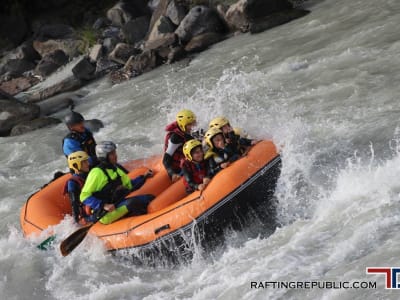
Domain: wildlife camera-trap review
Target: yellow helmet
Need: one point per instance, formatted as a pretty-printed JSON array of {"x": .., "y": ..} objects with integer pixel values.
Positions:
[
  {"x": 184, "y": 118},
  {"x": 189, "y": 146},
  {"x": 218, "y": 122},
  {"x": 75, "y": 160},
  {"x": 213, "y": 131}
]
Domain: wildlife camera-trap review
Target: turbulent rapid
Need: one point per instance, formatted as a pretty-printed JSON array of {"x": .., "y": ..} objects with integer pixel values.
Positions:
[{"x": 324, "y": 88}]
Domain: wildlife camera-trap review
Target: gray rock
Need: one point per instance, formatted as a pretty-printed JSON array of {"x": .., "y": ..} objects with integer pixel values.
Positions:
[
  {"x": 162, "y": 45},
  {"x": 17, "y": 85},
  {"x": 69, "y": 46},
  {"x": 51, "y": 62},
  {"x": 241, "y": 14},
  {"x": 176, "y": 53},
  {"x": 135, "y": 30},
  {"x": 27, "y": 52},
  {"x": 167, "y": 40},
  {"x": 104, "y": 66},
  {"x": 176, "y": 12},
  {"x": 122, "y": 52},
  {"x": 54, "y": 31},
  {"x": 68, "y": 84},
  {"x": 142, "y": 63},
  {"x": 13, "y": 113},
  {"x": 161, "y": 10},
  {"x": 84, "y": 69},
  {"x": 203, "y": 41},
  {"x": 110, "y": 43},
  {"x": 56, "y": 103},
  {"x": 100, "y": 23},
  {"x": 162, "y": 27},
  {"x": 96, "y": 52},
  {"x": 16, "y": 67},
  {"x": 28, "y": 126},
  {"x": 124, "y": 11},
  {"x": 199, "y": 20},
  {"x": 152, "y": 4}
]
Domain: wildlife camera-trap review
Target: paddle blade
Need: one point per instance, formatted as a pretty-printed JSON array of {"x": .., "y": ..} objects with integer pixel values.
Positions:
[
  {"x": 71, "y": 242},
  {"x": 46, "y": 244}
]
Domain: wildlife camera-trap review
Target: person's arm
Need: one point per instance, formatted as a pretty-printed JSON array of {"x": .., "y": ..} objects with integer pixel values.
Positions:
[
  {"x": 174, "y": 143},
  {"x": 73, "y": 193},
  {"x": 245, "y": 142},
  {"x": 232, "y": 154},
  {"x": 95, "y": 182},
  {"x": 214, "y": 168},
  {"x": 167, "y": 162}
]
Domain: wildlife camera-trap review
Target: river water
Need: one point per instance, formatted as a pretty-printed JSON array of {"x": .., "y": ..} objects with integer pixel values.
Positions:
[{"x": 324, "y": 88}]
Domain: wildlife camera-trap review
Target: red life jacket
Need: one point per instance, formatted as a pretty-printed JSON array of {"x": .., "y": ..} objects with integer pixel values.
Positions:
[
  {"x": 79, "y": 180},
  {"x": 178, "y": 155},
  {"x": 198, "y": 171}
]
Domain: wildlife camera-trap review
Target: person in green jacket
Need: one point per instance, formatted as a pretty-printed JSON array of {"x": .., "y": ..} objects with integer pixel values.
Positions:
[{"x": 107, "y": 186}]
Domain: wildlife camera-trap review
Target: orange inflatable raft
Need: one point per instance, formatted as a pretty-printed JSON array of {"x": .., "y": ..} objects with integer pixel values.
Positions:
[{"x": 244, "y": 188}]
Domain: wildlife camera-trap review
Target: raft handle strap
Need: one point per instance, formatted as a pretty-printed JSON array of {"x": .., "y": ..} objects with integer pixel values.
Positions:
[{"x": 164, "y": 227}]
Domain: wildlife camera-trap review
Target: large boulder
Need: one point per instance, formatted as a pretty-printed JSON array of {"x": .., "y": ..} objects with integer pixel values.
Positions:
[
  {"x": 84, "y": 69},
  {"x": 122, "y": 52},
  {"x": 162, "y": 27},
  {"x": 124, "y": 11},
  {"x": 142, "y": 63},
  {"x": 160, "y": 10},
  {"x": 163, "y": 45},
  {"x": 176, "y": 11},
  {"x": 135, "y": 30},
  {"x": 17, "y": 85},
  {"x": 39, "y": 93},
  {"x": 203, "y": 41},
  {"x": 16, "y": 67},
  {"x": 110, "y": 43},
  {"x": 54, "y": 32},
  {"x": 96, "y": 52},
  {"x": 56, "y": 103},
  {"x": 104, "y": 66},
  {"x": 27, "y": 52},
  {"x": 31, "y": 125},
  {"x": 69, "y": 46},
  {"x": 244, "y": 12},
  {"x": 13, "y": 113},
  {"x": 51, "y": 62},
  {"x": 200, "y": 19}
]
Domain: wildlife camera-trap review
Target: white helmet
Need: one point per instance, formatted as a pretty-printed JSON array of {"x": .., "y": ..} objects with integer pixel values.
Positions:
[{"x": 103, "y": 148}]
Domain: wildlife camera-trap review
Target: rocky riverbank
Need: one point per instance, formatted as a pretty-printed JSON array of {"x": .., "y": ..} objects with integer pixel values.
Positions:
[{"x": 120, "y": 40}]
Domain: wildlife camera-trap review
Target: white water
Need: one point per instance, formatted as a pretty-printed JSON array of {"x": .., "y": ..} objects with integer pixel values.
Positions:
[{"x": 324, "y": 87}]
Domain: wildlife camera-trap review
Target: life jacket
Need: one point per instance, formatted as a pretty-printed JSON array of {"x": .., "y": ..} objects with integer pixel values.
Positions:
[
  {"x": 84, "y": 210},
  {"x": 86, "y": 141},
  {"x": 178, "y": 155},
  {"x": 114, "y": 190},
  {"x": 198, "y": 171}
]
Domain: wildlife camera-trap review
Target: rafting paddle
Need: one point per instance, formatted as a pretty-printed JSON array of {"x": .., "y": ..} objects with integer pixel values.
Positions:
[
  {"x": 71, "y": 242},
  {"x": 46, "y": 243}
]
